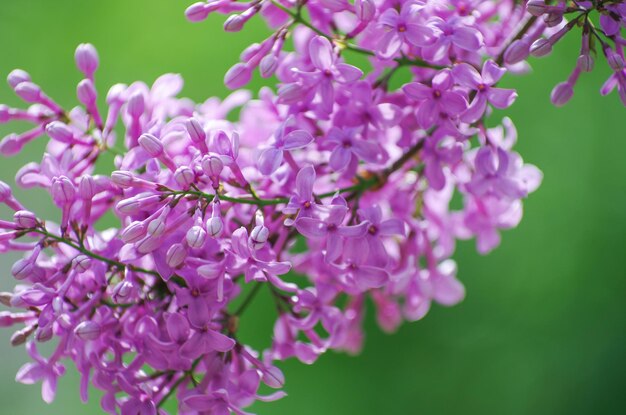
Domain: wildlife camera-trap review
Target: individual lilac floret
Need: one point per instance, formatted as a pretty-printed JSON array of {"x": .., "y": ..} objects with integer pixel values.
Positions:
[
  {"x": 272, "y": 157},
  {"x": 483, "y": 85}
]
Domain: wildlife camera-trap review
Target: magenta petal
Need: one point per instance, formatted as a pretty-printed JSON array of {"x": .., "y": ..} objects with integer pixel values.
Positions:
[
  {"x": 501, "y": 98},
  {"x": 334, "y": 248},
  {"x": 347, "y": 73},
  {"x": 418, "y": 35},
  {"x": 270, "y": 160},
  {"x": 476, "y": 109},
  {"x": 311, "y": 228},
  {"x": 467, "y": 38},
  {"x": 370, "y": 277},
  {"x": 218, "y": 341},
  {"x": 368, "y": 151},
  {"x": 453, "y": 102},
  {"x": 434, "y": 174},
  {"x": 389, "y": 45},
  {"x": 321, "y": 52},
  {"x": 391, "y": 227},
  {"x": 297, "y": 139},
  {"x": 491, "y": 72},
  {"x": 389, "y": 18},
  {"x": 340, "y": 157},
  {"x": 304, "y": 182},
  {"x": 447, "y": 290},
  {"x": 467, "y": 76},
  {"x": 49, "y": 388},
  {"x": 177, "y": 327},
  {"x": 485, "y": 162},
  {"x": 198, "y": 312},
  {"x": 327, "y": 95},
  {"x": 417, "y": 91},
  {"x": 355, "y": 231},
  {"x": 200, "y": 402}
]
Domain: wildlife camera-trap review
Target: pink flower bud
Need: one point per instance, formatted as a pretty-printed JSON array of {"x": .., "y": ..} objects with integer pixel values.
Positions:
[
  {"x": 517, "y": 52},
  {"x": 5, "y": 298},
  {"x": 365, "y": 9},
  {"x": 196, "y": 236},
  {"x": 88, "y": 330},
  {"x": 134, "y": 232},
  {"x": 152, "y": 145},
  {"x": 86, "y": 58},
  {"x": 541, "y": 47},
  {"x": 273, "y": 377},
  {"x": 60, "y": 132},
  {"x": 25, "y": 268},
  {"x": 184, "y": 176},
  {"x": 176, "y": 255},
  {"x": 122, "y": 178},
  {"x": 237, "y": 76},
  {"x": 156, "y": 227},
  {"x": 268, "y": 65},
  {"x": 136, "y": 105},
  {"x": 20, "y": 337},
  {"x": 195, "y": 130},
  {"x": 258, "y": 237},
  {"x": 123, "y": 292},
  {"x": 234, "y": 23},
  {"x": 11, "y": 145},
  {"x": 212, "y": 166},
  {"x": 29, "y": 92},
  {"x": 63, "y": 191},
  {"x": 25, "y": 219},
  {"x": 86, "y": 187},
  {"x": 17, "y": 76},
  {"x": 197, "y": 12},
  {"x": 6, "y": 319},
  {"x": 43, "y": 334},
  {"x": 615, "y": 61},
  {"x": 553, "y": 19},
  {"x": 561, "y": 94},
  {"x": 86, "y": 93},
  {"x": 82, "y": 263},
  {"x": 116, "y": 94},
  {"x": 585, "y": 62}
]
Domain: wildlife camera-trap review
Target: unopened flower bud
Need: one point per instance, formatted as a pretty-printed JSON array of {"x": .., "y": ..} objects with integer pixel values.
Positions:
[
  {"x": 88, "y": 330},
  {"x": 585, "y": 62},
  {"x": 197, "y": 12},
  {"x": 23, "y": 268},
  {"x": 234, "y": 23},
  {"x": 176, "y": 255},
  {"x": 136, "y": 105},
  {"x": 517, "y": 52},
  {"x": 541, "y": 47},
  {"x": 196, "y": 236},
  {"x": 184, "y": 176},
  {"x": 365, "y": 9},
  {"x": 268, "y": 65},
  {"x": 122, "y": 178},
  {"x": 562, "y": 93},
  {"x": 87, "y": 60},
  {"x": 122, "y": 292},
  {"x": 60, "y": 132},
  {"x": 553, "y": 19},
  {"x": 43, "y": 334},
  {"x": 134, "y": 232},
  {"x": 86, "y": 93},
  {"x": 5, "y": 298},
  {"x": 63, "y": 191},
  {"x": 5, "y": 191},
  {"x": 237, "y": 76},
  {"x": 116, "y": 94},
  {"x": 152, "y": 145},
  {"x": 215, "y": 226},
  {"x": 273, "y": 377},
  {"x": 82, "y": 263},
  {"x": 615, "y": 61},
  {"x": 212, "y": 166},
  {"x": 156, "y": 227},
  {"x": 86, "y": 187},
  {"x": 29, "y": 92},
  {"x": 17, "y": 76},
  {"x": 20, "y": 337},
  {"x": 195, "y": 130},
  {"x": 6, "y": 319},
  {"x": 25, "y": 219}
]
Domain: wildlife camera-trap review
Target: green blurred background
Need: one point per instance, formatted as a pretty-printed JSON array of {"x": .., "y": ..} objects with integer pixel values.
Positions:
[{"x": 543, "y": 328}]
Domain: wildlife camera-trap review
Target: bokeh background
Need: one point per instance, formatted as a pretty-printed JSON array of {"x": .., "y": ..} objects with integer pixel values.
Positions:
[{"x": 543, "y": 328}]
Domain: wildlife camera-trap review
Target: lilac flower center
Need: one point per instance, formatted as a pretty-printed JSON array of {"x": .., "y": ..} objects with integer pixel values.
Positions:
[
  {"x": 436, "y": 94},
  {"x": 346, "y": 144},
  {"x": 401, "y": 28},
  {"x": 306, "y": 204},
  {"x": 372, "y": 230},
  {"x": 327, "y": 73},
  {"x": 481, "y": 87},
  {"x": 332, "y": 227}
]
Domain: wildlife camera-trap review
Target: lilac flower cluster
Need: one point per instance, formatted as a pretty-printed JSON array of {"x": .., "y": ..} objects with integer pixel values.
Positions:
[
  {"x": 555, "y": 25},
  {"x": 332, "y": 189}
]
